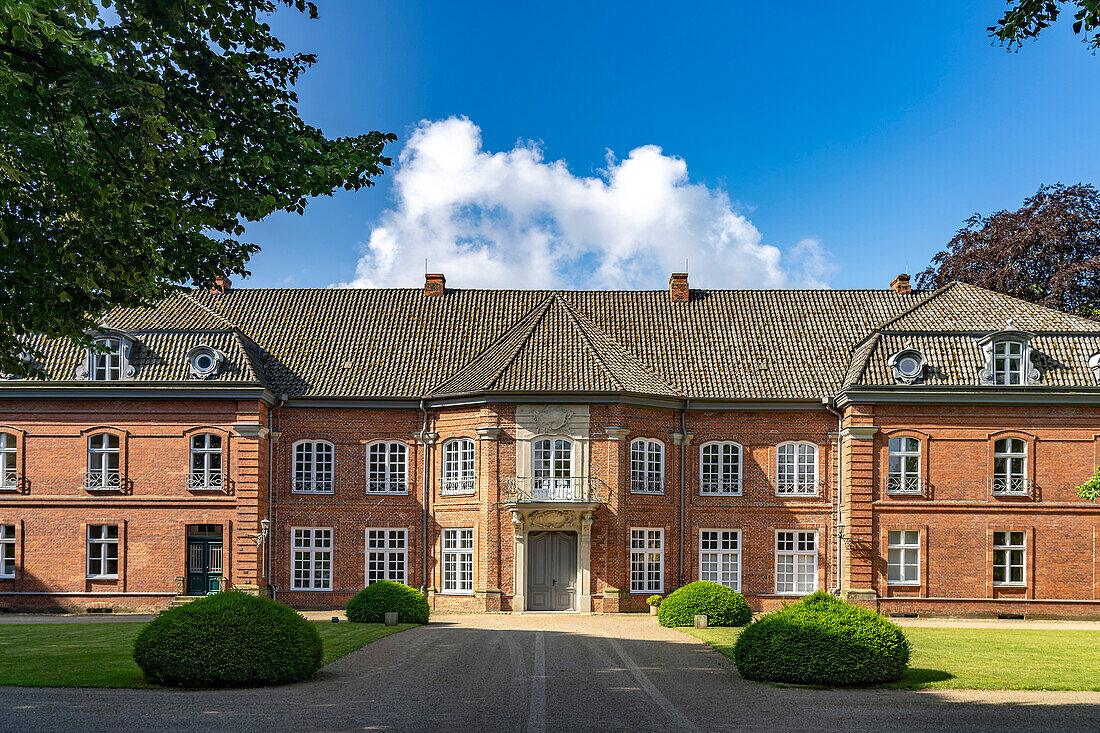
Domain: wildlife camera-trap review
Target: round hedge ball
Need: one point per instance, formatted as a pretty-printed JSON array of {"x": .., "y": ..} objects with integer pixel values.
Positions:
[
  {"x": 370, "y": 605},
  {"x": 228, "y": 639},
  {"x": 721, "y": 605},
  {"x": 825, "y": 641}
]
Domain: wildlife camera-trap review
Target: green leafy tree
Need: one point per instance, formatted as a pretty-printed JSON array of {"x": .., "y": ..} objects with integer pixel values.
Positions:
[
  {"x": 1090, "y": 490},
  {"x": 1046, "y": 252},
  {"x": 1026, "y": 19},
  {"x": 136, "y": 139}
]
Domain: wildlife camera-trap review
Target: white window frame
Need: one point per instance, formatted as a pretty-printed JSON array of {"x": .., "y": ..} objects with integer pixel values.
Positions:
[
  {"x": 459, "y": 467},
  {"x": 389, "y": 546},
  {"x": 312, "y": 474},
  {"x": 1008, "y": 368},
  {"x": 647, "y": 466},
  {"x": 9, "y": 470},
  {"x": 722, "y": 557},
  {"x": 801, "y": 482},
  {"x": 798, "y": 557},
  {"x": 210, "y": 475},
  {"x": 457, "y": 566},
  {"x": 100, "y": 450},
  {"x": 387, "y": 481},
  {"x": 98, "y": 535},
  {"x": 1010, "y": 481},
  {"x": 111, "y": 364},
  {"x": 313, "y": 547},
  {"x": 903, "y": 553},
  {"x": 903, "y": 481},
  {"x": 726, "y": 479},
  {"x": 642, "y": 555},
  {"x": 1009, "y": 549},
  {"x": 7, "y": 551}
]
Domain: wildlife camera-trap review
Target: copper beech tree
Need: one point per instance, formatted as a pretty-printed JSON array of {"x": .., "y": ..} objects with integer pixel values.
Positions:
[{"x": 1046, "y": 252}]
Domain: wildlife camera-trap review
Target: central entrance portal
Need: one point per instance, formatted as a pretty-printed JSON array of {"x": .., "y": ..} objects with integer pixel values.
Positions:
[{"x": 552, "y": 571}]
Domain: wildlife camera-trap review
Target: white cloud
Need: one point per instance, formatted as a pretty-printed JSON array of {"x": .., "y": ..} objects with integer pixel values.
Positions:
[{"x": 512, "y": 219}]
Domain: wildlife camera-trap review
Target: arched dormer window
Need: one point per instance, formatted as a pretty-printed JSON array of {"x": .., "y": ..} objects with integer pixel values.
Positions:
[
  {"x": 647, "y": 466},
  {"x": 1007, "y": 359},
  {"x": 107, "y": 359}
]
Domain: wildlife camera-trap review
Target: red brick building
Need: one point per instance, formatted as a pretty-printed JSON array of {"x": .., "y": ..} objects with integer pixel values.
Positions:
[{"x": 560, "y": 450}]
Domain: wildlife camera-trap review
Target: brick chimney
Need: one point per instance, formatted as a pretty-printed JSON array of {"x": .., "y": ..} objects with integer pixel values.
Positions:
[
  {"x": 221, "y": 285},
  {"x": 434, "y": 283},
  {"x": 900, "y": 284},
  {"x": 678, "y": 287}
]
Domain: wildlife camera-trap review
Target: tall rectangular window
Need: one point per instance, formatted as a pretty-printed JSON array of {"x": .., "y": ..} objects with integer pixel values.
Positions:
[
  {"x": 103, "y": 462},
  {"x": 796, "y": 469},
  {"x": 1008, "y": 362},
  {"x": 102, "y": 550},
  {"x": 647, "y": 467},
  {"x": 458, "y": 467},
  {"x": 386, "y": 468},
  {"x": 206, "y": 462},
  {"x": 1008, "y": 558},
  {"x": 795, "y": 563},
  {"x": 647, "y": 560},
  {"x": 386, "y": 555},
  {"x": 720, "y": 470},
  {"x": 903, "y": 474},
  {"x": 720, "y": 557},
  {"x": 311, "y": 557},
  {"x": 107, "y": 360},
  {"x": 458, "y": 561},
  {"x": 1010, "y": 467},
  {"x": 903, "y": 557},
  {"x": 9, "y": 476},
  {"x": 313, "y": 467},
  {"x": 7, "y": 550}
]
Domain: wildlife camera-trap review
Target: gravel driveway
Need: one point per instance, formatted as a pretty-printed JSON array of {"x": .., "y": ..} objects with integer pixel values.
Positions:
[{"x": 538, "y": 672}]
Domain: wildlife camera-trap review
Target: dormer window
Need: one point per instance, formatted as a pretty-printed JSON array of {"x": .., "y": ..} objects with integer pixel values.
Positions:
[
  {"x": 1008, "y": 362},
  {"x": 907, "y": 366},
  {"x": 204, "y": 362},
  {"x": 107, "y": 359},
  {"x": 1094, "y": 366}
]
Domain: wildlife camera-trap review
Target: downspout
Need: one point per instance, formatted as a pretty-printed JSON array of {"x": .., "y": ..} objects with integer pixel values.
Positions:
[
  {"x": 271, "y": 496},
  {"x": 828, "y": 403},
  {"x": 427, "y": 497},
  {"x": 683, "y": 438}
]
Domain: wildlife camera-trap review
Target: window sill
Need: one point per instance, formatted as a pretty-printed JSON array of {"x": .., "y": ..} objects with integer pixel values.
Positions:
[
  {"x": 1011, "y": 586},
  {"x": 721, "y": 496},
  {"x": 647, "y": 493},
  {"x": 311, "y": 590},
  {"x": 312, "y": 493},
  {"x": 647, "y": 592},
  {"x": 101, "y": 577},
  {"x": 450, "y": 494},
  {"x": 387, "y": 493},
  {"x": 815, "y": 495},
  {"x": 795, "y": 592},
  {"x": 462, "y": 593},
  {"x": 903, "y": 584}
]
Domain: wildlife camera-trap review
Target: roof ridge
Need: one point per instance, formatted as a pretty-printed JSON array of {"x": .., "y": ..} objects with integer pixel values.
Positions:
[
  {"x": 916, "y": 306},
  {"x": 873, "y": 347},
  {"x": 212, "y": 312}
]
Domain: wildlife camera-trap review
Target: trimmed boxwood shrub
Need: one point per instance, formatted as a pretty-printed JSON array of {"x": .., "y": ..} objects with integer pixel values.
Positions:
[
  {"x": 822, "y": 640},
  {"x": 370, "y": 605},
  {"x": 228, "y": 639},
  {"x": 721, "y": 605}
]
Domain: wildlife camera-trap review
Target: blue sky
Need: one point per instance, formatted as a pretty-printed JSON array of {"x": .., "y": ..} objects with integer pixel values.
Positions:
[{"x": 798, "y": 145}]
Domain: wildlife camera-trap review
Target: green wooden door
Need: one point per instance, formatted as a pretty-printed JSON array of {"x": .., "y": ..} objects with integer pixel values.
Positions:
[{"x": 204, "y": 559}]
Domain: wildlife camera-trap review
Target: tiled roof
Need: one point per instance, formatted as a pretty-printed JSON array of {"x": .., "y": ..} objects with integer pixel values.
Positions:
[{"x": 721, "y": 344}]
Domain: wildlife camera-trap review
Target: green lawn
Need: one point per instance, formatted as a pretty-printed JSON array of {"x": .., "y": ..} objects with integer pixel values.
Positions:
[
  {"x": 983, "y": 659},
  {"x": 100, "y": 655}
]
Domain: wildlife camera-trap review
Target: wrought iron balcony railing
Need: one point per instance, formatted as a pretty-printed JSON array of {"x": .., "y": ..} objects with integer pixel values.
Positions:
[
  {"x": 647, "y": 486},
  {"x": 206, "y": 481},
  {"x": 905, "y": 485},
  {"x": 797, "y": 487},
  {"x": 1011, "y": 486},
  {"x": 102, "y": 480},
  {"x": 9, "y": 480},
  {"x": 311, "y": 486},
  {"x": 458, "y": 487},
  {"x": 720, "y": 487},
  {"x": 389, "y": 486},
  {"x": 581, "y": 490}
]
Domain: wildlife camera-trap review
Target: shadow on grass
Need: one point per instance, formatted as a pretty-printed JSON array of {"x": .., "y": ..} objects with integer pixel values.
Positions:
[{"x": 916, "y": 678}]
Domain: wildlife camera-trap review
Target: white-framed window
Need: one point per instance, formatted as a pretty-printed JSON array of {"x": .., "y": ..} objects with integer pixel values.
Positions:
[
  {"x": 314, "y": 461},
  {"x": 311, "y": 558},
  {"x": 458, "y": 561},
  {"x": 458, "y": 467},
  {"x": 795, "y": 562},
  {"x": 1008, "y": 362},
  {"x": 206, "y": 462},
  {"x": 1008, "y": 558},
  {"x": 7, "y": 550},
  {"x": 103, "y": 462},
  {"x": 796, "y": 469},
  {"x": 720, "y": 556},
  {"x": 552, "y": 470},
  {"x": 647, "y": 466},
  {"x": 102, "y": 550},
  {"x": 106, "y": 364},
  {"x": 387, "y": 555},
  {"x": 720, "y": 469},
  {"x": 386, "y": 468},
  {"x": 647, "y": 560},
  {"x": 1010, "y": 466},
  {"x": 903, "y": 557},
  {"x": 9, "y": 474},
  {"x": 903, "y": 466}
]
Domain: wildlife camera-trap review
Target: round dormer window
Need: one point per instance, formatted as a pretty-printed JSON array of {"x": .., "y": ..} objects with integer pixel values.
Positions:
[
  {"x": 908, "y": 365},
  {"x": 204, "y": 362}
]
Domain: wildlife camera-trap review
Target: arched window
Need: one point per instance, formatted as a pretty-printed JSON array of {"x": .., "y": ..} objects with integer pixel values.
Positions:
[
  {"x": 647, "y": 466},
  {"x": 386, "y": 468},
  {"x": 720, "y": 469},
  {"x": 1010, "y": 467},
  {"x": 552, "y": 470},
  {"x": 313, "y": 467},
  {"x": 903, "y": 469},
  {"x": 206, "y": 463},
  {"x": 9, "y": 473},
  {"x": 458, "y": 466},
  {"x": 103, "y": 472},
  {"x": 1008, "y": 362},
  {"x": 107, "y": 360},
  {"x": 796, "y": 469}
]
